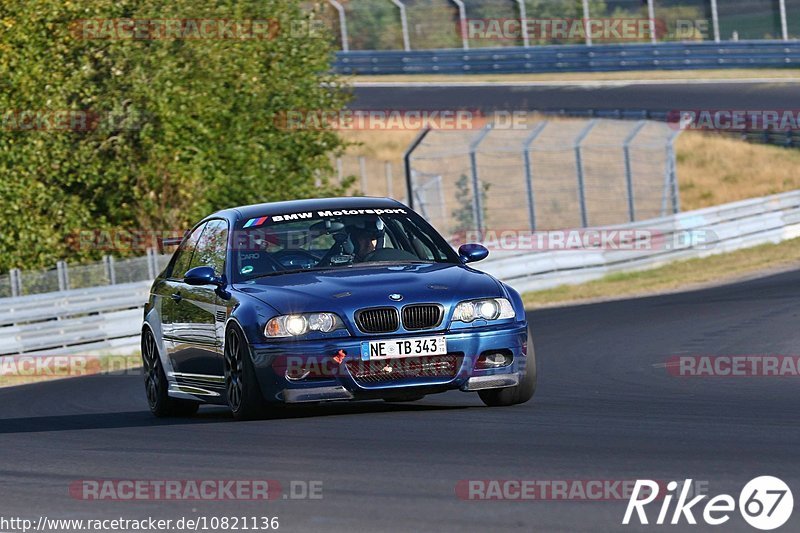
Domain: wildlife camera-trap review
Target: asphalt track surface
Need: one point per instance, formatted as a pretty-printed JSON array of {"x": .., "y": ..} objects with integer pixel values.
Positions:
[
  {"x": 658, "y": 97},
  {"x": 606, "y": 409}
]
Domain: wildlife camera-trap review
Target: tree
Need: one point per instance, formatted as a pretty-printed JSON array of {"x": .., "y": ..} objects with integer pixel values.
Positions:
[
  {"x": 464, "y": 214},
  {"x": 185, "y": 126}
]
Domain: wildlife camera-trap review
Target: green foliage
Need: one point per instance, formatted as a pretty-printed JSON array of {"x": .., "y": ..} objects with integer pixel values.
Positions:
[
  {"x": 374, "y": 25},
  {"x": 464, "y": 215},
  {"x": 197, "y": 121}
]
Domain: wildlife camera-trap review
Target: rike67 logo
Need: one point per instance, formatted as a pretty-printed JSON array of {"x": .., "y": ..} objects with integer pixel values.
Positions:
[{"x": 765, "y": 503}]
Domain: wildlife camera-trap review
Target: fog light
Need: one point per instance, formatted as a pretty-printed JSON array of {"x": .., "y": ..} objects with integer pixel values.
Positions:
[
  {"x": 493, "y": 360},
  {"x": 296, "y": 374}
]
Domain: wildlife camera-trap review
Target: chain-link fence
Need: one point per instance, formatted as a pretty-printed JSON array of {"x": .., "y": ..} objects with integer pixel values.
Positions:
[
  {"x": 552, "y": 175},
  {"x": 64, "y": 277},
  {"x": 438, "y": 24},
  {"x": 374, "y": 177}
]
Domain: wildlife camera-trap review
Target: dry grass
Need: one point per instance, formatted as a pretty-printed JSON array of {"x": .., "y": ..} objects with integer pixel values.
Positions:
[
  {"x": 681, "y": 275},
  {"x": 714, "y": 170},
  {"x": 721, "y": 74},
  {"x": 382, "y": 145}
]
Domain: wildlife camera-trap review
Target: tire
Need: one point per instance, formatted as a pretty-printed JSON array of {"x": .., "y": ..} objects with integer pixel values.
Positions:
[
  {"x": 241, "y": 385},
  {"x": 156, "y": 384},
  {"x": 520, "y": 393}
]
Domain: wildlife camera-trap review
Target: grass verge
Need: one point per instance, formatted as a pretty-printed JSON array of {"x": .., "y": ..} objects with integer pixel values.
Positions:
[
  {"x": 681, "y": 275},
  {"x": 24, "y": 369}
]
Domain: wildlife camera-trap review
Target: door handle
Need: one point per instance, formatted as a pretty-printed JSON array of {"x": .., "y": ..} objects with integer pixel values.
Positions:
[{"x": 177, "y": 297}]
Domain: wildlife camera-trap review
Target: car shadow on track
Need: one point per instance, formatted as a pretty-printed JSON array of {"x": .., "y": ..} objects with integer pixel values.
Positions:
[{"x": 131, "y": 419}]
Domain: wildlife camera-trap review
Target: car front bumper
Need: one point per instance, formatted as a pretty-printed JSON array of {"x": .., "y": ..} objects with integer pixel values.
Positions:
[{"x": 336, "y": 380}]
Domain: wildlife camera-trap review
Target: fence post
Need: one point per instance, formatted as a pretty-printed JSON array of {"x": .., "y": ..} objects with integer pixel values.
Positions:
[
  {"x": 477, "y": 200},
  {"x": 673, "y": 175},
  {"x": 342, "y": 24},
  {"x": 111, "y": 273},
  {"x": 63, "y": 276},
  {"x": 403, "y": 24},
  {"x": 420, "y": 203},
  {"x": 362, "y": 169},
  {"x": 784, "y": 28},
  {"x": 526, "y": 154},
  {"x": 339, "y": 169},
  {"x": 626, "y": 152},
  {"x": 407, "y": 163},
  {"x": 462, "y": 18},
  {"x": 651, "y": 14},
  {"x": 579, "y": 167},
  {"x": 151, "y": 263},
  {"x": 523, "y": 21},
  {"x": 389, "y": 179},
  {"x": 715, "y": 20},
  {"x": 586, "y": 14},
  {"x": 16, "y": 282}
]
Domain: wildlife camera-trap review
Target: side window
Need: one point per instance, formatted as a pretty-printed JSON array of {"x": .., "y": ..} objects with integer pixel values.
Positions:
[
  {"x": 212, "y": 247},
  {"x": 183, "y": 257}
]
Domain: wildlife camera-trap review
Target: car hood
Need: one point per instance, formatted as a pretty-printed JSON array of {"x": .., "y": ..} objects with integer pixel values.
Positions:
[{"x": 344, "y": 290}]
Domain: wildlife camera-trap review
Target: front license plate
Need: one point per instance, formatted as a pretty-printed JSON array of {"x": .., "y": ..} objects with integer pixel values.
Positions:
[{"x": 394, "y": 348}]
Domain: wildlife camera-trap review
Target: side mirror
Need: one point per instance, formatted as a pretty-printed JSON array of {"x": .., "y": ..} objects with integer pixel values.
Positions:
[
  {"x": 202, "y": 275},
  {"x": 470, "y": 253}
]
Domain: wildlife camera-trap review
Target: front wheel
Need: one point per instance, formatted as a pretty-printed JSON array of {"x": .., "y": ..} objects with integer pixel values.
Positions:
[
  {"x": 156, "y": 385},
  {"x": 519, "y": 393},
  {"x": 241, "y": 386}
]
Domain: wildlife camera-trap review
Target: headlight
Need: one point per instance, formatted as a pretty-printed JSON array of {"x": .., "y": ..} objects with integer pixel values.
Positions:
[
  {"x": 296, "y": 325},
  {"x": 487, "y": 309}
]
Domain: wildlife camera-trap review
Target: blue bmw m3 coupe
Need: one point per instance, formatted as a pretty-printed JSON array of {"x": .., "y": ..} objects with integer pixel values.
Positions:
[{"x": 329, "y": 299}]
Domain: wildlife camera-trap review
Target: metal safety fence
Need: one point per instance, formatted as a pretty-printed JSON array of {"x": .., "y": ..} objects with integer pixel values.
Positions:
[
  {"x": 574, "y": 58},
  {"x": 64, "y": 277},
  {"x": 469, "y": 24},
  {"x": 374, "y": 177},
  {"x": 551, "y": 175}
]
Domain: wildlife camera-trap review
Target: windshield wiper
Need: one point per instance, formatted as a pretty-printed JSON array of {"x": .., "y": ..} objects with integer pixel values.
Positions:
[{"x": 292, "y": 271}]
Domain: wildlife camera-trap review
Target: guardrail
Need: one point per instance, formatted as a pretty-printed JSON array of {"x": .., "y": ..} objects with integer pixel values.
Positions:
[
  {"x": 726, "y": 228},
  {"x": 83, "y": 320},
  {"x": 109, "y": 317},
  {"x": 574, "y": 58}
]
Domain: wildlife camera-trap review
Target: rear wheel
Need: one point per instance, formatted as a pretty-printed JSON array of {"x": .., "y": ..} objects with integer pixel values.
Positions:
[
  {"x": 241, "y": 386},
  {"x": 520, "y": 393},
  {"x": 156, "y": 385}
]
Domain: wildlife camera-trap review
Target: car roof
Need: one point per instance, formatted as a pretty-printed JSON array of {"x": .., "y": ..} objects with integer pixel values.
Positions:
[{"x": 293, "y": 206}]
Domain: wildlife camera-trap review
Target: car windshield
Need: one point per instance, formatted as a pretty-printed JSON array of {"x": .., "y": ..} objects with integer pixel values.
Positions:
[{"x": 321, "y": 240}]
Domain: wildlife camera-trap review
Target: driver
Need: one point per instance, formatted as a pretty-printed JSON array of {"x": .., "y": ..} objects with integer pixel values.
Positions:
[{"x": 366, "y": 235}]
